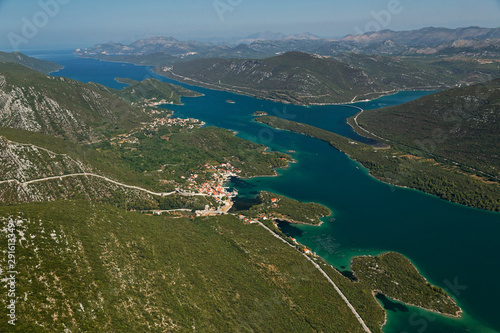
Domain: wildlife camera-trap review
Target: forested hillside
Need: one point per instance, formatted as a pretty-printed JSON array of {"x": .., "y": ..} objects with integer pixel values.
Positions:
[{"x": 461, "y": 125}]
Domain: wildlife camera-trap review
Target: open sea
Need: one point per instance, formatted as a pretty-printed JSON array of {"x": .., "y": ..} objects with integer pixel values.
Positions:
[{"x": 454, "y": 247}]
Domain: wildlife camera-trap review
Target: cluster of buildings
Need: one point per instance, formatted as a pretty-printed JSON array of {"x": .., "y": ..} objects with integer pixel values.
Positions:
[
  {"x": 214, "y": 186},
  {"x": 128, "y": 138},
  {"x": 247, "y": 219},
  {"x": 153, "y": 102},
  {"x": 124, "y": 138},
  {"x": 189, "y": 123}
]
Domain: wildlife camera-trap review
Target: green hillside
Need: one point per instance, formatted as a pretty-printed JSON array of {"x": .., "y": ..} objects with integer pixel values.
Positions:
[
  {"x": 282, "y": 208},
  {"x": 149, "y": 92},
  {"x": 89, "y": 267},
  {"x": 295, "y": 77},
  {"x": 414, "y": 73},
  {"x": 154, "y": 91},
  {"x": 152, "y": 162},
  {"x": 461, "y": 125},
  {"x": 120, "y": 271},
  {"x": 398, "y": 165},
  {"x": 38, "y": 65},
  {"x": 302, "y": 78},
  {"x": 132, "y": 233}
]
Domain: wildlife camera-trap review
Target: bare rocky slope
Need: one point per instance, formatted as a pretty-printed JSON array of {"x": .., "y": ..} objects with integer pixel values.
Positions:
[{"x": 61, "y": 107}]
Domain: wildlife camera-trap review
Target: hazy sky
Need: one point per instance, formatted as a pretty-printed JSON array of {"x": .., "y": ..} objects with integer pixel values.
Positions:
[{"x": 27, "y": 24}]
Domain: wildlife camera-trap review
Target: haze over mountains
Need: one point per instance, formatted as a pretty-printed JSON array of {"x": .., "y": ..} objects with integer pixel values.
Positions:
[
  {"x": 379, "y": 62},
  {"x": 483, "y": 41},
  {"x": 121, "y": 270}
]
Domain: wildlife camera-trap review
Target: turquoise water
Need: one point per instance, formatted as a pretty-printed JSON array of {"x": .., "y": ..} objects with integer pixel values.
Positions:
[{"x": 453, "y": 246}]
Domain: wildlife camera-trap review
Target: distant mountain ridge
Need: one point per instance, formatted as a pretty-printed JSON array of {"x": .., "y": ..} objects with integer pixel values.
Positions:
[
  {"x": 481, "y": 41},
  {"x": 429, "y": 36}
]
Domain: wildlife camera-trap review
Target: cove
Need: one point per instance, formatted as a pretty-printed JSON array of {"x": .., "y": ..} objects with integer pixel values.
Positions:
[{"x": 453, "y": 246}]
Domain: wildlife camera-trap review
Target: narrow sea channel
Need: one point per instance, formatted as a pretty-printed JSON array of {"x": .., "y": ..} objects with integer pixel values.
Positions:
[{"x": 453, "y": 246}]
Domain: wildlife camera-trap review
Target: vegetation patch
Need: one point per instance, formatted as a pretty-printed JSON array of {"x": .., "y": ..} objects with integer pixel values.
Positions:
[
  {"x": 394, "y": 276},
  {"x": 392, "y": 165},
  {"x": 279, "y": 207}
]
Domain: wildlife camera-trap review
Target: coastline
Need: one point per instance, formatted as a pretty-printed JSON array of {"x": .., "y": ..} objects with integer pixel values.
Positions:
[
  {"x": 233, "y": 89},
  {"x": 276, "y": 174},
  {"x": 298, "y": 222},
  {"x": 457, "y": 314},
  {"x": 380, "y": 178},
  {"x": 57, "y": 70}
]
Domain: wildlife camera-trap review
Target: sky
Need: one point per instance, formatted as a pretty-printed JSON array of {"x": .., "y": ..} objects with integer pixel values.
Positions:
[{"x": 58, "y": 24}]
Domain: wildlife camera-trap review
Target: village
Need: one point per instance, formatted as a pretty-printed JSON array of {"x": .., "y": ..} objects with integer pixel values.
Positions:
[
  {"x": 188, "y": 123},
  {"x": 155, "y": 125},
  {"x": 214, "y": 186}
]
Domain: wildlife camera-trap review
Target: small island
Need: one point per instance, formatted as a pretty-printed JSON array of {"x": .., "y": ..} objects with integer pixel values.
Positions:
[
  {"x": 260, "y": 113},
  {"x": 277, "y": 207},
  {"x": 230, "y": 101}
]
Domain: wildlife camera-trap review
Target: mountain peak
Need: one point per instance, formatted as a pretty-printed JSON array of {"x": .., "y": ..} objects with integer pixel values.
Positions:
[
  {"x": 303, "y": 36},
  {"x": 158, "y": 40}
]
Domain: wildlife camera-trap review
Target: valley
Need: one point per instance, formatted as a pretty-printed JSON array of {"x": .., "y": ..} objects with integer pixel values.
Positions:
[{"x": 134, "y": 189}]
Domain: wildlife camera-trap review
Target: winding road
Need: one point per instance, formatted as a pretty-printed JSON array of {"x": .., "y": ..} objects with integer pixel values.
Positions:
[
  {"x": 86, "y": 174},
  {"x": 358, "y": 317}
]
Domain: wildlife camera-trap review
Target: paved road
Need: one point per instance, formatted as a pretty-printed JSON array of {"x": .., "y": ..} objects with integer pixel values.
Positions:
[
  {"x": 86, "y": 174},
  {"x": 358, "y": 317},
  {"x": 356, "y": 121}
]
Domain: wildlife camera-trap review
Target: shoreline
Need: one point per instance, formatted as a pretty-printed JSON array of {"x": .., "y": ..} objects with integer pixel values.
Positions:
[
  {"x": 157, "y": 70},
  {"x": 287, "y": 220},
  {"x": 370, "y": 173},
  {"x": 457, "y": 314},
  {"x": 234, "y": 90}
]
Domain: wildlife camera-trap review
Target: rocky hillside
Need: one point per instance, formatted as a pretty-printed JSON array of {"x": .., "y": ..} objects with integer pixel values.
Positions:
[
  {"x": 430, "y": 36},
  {"x": 84, "y": 265},
  {"x": 83, "y": 259},
  {"x": 30, "y": 173},
  {"x": 61, "y": 107}
]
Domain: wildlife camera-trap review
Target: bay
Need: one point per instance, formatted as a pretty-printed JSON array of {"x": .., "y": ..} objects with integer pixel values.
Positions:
[{"x": 453, "y": 246}]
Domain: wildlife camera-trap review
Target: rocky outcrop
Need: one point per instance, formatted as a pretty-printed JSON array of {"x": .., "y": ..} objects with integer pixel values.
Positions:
[{"x": 61, "y": 107}]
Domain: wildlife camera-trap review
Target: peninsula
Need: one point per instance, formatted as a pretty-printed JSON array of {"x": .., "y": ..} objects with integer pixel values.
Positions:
[{"x": 422, "y": 172}]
